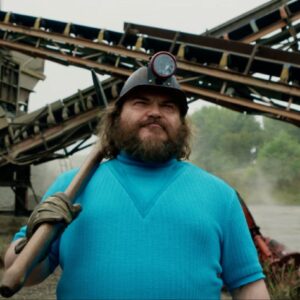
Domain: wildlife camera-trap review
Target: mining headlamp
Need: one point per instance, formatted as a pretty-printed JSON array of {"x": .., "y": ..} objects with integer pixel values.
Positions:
[
  {"x": 158, "y": 76},
  {"x": 163, "y": 65}
]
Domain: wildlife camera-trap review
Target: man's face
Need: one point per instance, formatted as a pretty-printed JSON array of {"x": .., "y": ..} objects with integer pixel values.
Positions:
[
  {"x": 149, "y": 126},
  {"x": 155, "y": 115}
]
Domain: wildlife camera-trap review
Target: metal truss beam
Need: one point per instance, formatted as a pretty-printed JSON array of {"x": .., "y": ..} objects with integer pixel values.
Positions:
[
  {"x": 246, "y": 78},
  {"x": 35, "y": 137},
  {"x": 259, "y": 22},
  {"x": 257, "y": 75}
]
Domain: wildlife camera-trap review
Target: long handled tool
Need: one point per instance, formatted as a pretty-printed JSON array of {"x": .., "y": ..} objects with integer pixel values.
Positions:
[{"x": 15, "y": 276}]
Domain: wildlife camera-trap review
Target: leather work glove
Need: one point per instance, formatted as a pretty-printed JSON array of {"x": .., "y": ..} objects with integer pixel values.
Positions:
[{"x": 55, "y": 209}]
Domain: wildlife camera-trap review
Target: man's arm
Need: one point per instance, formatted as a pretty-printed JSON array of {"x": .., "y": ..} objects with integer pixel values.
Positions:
[
  {"x": 38, "y": 274},
  {"x": 56, "y": 210},
  {"x": 255, "y": 290}
]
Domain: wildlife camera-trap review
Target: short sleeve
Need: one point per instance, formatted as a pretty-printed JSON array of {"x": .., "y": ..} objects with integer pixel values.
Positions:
[
  {"x": 240, "y": 263},
  {"x": 59, "y": 185}
]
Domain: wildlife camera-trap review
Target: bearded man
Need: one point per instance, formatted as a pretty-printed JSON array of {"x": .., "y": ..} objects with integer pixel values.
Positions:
[{"x": 151, "y": 226}]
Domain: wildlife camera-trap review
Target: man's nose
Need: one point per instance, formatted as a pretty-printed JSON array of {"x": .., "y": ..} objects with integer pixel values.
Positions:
[{"x": 154, "y": 110}]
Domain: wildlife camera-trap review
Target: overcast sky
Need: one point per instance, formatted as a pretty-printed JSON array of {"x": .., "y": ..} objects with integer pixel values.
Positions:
[{"x": 194, "y": 16}]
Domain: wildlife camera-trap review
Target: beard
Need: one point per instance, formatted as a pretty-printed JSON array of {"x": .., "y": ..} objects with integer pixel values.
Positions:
[{"x": 152, "y": 149}]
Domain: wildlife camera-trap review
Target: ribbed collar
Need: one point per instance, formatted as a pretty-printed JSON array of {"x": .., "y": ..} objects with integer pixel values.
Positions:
[{"x": 123, "y": 157}]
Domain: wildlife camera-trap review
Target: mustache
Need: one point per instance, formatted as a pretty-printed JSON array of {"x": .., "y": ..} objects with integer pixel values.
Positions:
[{"x": 152, "y": 120}]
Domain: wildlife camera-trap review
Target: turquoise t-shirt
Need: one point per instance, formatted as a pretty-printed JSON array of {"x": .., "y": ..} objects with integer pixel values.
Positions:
[{"x": 153, "y": 231}]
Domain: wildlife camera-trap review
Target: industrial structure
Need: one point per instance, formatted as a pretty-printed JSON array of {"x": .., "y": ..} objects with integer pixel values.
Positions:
[{"x": 250, "y": 64}]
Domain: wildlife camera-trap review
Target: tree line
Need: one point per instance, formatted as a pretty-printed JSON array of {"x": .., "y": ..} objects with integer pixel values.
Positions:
[{"x": 260, "y": 157}]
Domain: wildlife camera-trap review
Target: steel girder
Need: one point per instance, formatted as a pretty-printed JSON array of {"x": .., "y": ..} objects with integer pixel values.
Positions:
[
  {"x": 247, "y": 78},
  {"x": 260, "y": 24},
  {"x": 36, "y": 136}
]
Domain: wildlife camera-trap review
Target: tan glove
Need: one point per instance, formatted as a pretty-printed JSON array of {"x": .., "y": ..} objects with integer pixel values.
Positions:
[{"x": 55, "y": 209}]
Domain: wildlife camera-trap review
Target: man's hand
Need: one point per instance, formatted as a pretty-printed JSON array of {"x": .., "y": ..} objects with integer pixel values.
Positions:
[{"x": 55, "y": 209}]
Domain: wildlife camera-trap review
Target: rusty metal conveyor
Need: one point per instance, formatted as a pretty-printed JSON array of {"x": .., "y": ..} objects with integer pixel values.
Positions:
[{"x": 250, "y": 64}]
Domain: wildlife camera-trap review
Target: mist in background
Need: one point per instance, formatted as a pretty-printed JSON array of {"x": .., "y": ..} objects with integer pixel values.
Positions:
[{"x": 261, "y": 159}]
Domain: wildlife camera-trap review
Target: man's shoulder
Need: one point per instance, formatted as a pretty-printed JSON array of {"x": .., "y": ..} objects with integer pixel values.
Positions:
[
  {"x": 198, "y": 172},
  {"x": 67, "y": 176},
  {"x": 70, "y": 174},
  {"x": 199, "y": 175}
]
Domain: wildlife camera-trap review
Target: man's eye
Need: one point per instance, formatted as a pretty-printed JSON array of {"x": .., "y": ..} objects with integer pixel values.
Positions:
[
  {"x": 169, "y": 105},
  {"x": 140, "y": 102}
]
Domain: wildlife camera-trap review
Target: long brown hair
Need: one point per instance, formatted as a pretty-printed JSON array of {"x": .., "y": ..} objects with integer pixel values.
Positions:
[{"x": 109, "y": 119}]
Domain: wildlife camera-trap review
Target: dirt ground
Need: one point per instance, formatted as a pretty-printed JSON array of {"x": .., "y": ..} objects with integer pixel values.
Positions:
[{"x": 43, "y": 291}]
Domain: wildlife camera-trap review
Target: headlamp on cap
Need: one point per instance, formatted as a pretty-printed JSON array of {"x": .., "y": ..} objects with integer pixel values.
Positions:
[
  {"x": 163, "y": 65},
  {"x": 158, "y": 75}
]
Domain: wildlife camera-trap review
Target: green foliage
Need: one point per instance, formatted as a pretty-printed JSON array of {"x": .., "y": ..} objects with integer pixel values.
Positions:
[
  {"x": 261, "y": 160},
  {"x": 273, "y": 127},
  {"x": 281, "y": 156},
  {"x": 224, "y": 140}
]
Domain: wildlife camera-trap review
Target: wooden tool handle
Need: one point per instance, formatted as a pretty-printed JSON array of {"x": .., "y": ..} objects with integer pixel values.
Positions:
[{"x": 15, "y": 276}]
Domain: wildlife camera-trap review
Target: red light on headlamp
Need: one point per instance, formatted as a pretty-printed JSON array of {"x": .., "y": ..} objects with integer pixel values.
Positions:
[{"x": 163, "y": 65}]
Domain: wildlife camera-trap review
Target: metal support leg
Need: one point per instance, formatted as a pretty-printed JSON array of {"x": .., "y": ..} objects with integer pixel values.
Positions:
[{"x": 21, "y": 190}]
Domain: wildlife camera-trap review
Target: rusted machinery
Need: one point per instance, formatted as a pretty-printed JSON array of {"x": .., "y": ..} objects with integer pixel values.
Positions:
[
  {"x": 280, "y": 264},
  {"x": 232, "y": 65},
  {"x": 247, "y": 78}
]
